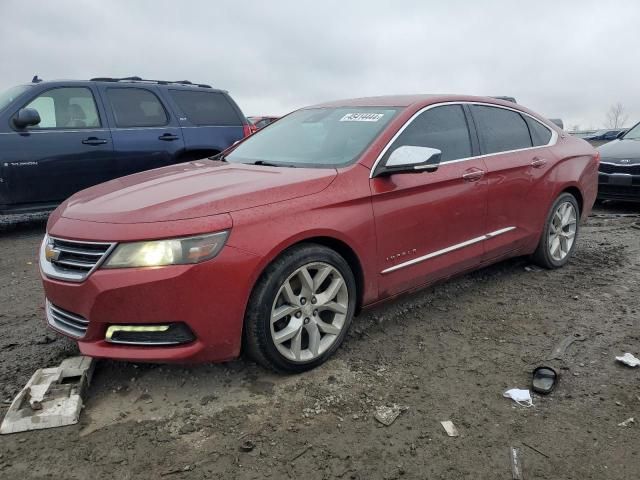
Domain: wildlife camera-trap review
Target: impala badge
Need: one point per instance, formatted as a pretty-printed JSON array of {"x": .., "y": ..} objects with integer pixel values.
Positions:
[{"x": 625, "y": 160}]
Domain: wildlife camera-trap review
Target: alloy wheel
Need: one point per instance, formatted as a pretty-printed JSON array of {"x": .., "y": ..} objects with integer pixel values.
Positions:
[
  {"x": 309, "y": 312},
  {"x": 562, "y": 231}
]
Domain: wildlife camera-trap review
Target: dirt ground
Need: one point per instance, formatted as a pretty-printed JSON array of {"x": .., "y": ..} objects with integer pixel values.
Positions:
[{"x": 446, "y": 353}]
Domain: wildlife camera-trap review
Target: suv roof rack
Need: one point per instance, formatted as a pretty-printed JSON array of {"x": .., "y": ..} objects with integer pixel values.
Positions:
[{"x": 144, "y": 80}]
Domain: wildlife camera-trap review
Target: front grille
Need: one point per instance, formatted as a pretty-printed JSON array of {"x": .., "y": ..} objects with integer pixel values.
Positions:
[
  {"x": 620, "y": 168},
  {"x": 65, "y": 321},
  {"x": 72, "y": 260}
]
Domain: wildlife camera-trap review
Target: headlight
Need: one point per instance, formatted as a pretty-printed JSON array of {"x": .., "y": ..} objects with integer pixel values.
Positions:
[{"x": 175, "y": 251}]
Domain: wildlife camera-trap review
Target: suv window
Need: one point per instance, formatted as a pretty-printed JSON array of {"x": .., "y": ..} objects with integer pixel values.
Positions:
[
  {"x": 8, "y": 96},
  {"x": 500, "y": 129},
  {"x": 66, "y": 107},
  {"x": 136, "y": 107},
  {"x": 444, "y": 128},
  {"x": 540, "y": 135},
  {"x": 206, "y": 108}
]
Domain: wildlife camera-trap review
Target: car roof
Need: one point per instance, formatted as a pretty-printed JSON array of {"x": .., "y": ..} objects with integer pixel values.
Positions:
[
  {"x": 413, "y": 100},
  {"x": 419, "y": 101}
]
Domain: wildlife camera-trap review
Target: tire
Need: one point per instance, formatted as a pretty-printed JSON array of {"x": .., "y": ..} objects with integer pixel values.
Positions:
[
  {"x": 547, "y": 254},
  {"x": 312, "y": 328}
]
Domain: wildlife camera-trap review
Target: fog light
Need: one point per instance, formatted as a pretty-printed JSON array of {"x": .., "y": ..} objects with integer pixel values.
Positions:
[{"x": 152, "y": 335}]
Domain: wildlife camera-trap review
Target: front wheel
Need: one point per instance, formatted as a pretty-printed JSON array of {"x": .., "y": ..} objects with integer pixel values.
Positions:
[
  {"x": 560, "y": 233},
  {"x": 300, "y": 310}
]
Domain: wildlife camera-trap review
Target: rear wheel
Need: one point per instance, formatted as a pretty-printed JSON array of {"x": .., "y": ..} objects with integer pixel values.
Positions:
[
  {"x": 300, "y": 310},
  {"x": 560, "y": 233}
]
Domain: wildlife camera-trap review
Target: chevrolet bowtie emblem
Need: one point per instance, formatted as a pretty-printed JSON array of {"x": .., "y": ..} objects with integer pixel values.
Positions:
[{"x": 50, "y": 253}]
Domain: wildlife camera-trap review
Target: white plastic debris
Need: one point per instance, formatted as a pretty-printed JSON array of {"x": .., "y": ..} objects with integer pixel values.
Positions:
[
  {"x": 387, "y": 415},
  {"x": 629, "y": 360},
  {"x": 450, "y": 428},
  {"x": 516, "y": 464},
  {"x": 51, "y": 398},
  {"x": 521, "y": 397},
  {"x": 627, "y": 422}
]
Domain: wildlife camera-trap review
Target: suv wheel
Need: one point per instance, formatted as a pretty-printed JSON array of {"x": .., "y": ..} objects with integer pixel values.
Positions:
[
  {"x": 560, "y": 233},
  {"x": 300, "y": 310}
]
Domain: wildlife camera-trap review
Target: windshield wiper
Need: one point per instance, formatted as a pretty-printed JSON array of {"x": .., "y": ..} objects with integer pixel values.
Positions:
[
  {"x": 219, "y": 157},
  {"x": 269, "y": 164}
]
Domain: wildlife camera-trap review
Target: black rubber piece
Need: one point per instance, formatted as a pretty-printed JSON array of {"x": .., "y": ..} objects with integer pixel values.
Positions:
[
  {"x": 257, "y": 335},
  {"x": 541, "y": 256},
  {"x": 544, "y": 380}
]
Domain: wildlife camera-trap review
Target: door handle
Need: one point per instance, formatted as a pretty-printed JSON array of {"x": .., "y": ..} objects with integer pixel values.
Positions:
[
  {"x": 473, "y": 175},
  {"x": 538, "y": 162},
  {"x": 94, "y": 141},
  {"x": 168, "y": 137}
]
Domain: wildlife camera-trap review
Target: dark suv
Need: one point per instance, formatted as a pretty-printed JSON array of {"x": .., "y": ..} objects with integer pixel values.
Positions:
[{"x": 59, "y": 137}]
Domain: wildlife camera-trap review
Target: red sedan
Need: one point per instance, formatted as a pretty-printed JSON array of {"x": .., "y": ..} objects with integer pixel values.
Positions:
[{"x": 281, "y": 240}]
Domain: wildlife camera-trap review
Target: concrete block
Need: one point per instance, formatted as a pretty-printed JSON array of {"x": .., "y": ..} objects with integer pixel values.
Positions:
[{"x": 51, "y": 398}]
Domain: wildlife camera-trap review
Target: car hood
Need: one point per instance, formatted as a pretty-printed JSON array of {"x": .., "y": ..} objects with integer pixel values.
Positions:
[
  {"x": 623, "y": 152},
  {"x": 191, "y": 190}
]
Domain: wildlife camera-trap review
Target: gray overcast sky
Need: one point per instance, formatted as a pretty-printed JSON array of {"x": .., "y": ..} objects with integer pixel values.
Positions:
[{"x": 570, "y": 59}]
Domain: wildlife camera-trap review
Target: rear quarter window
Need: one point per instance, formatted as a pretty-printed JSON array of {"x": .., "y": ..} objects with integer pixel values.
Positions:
[
  {"x": 500, "y": 129},
  {"x": 206, "y": 108},
  {"x": 540, "y": 135}
]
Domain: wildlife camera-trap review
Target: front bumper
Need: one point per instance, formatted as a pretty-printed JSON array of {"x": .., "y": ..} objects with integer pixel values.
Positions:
[
  {"x": 619, "y": 186},
  {"x": 210, "y": 298}
]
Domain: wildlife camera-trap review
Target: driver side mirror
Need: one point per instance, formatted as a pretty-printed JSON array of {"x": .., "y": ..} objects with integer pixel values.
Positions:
[
  {"x": 411, "y": 159},
  {"x": 26, "y": 117}
]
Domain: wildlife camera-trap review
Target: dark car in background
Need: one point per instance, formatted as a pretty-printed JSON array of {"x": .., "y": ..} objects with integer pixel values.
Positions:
[
  {"x": 59, "y": 137},
  {"x": 261, "y": 122},
  {"x": 600, "y": 137},
  {"x": 619, "y": 177}
]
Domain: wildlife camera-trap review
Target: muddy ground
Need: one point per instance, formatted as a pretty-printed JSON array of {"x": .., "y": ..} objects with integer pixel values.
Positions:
[{"x": 446, "y": 353}]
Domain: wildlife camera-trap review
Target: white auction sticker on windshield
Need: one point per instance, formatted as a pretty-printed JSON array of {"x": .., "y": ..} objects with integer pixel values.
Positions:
[{"x": 362, "y": 117}]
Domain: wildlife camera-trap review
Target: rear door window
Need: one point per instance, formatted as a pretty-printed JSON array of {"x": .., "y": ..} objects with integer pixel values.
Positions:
[
  {"x": 501, "y": 130},
  {"x": 66, "y": 108},
  {"x": 444, "y": 128},
  {"x": 540, "y": 135},
  {"x": 206, "y": 108},
  {"x": 136, "y": 107}
]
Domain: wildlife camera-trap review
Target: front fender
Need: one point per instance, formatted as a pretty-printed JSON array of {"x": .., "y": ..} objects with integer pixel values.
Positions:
[{"x": 340, "y": 213}]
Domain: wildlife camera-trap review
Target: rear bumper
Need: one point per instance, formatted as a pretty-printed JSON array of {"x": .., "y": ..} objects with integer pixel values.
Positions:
[
  {"x": 210, "y": 298},
  {"x": 618, "y": 186}
]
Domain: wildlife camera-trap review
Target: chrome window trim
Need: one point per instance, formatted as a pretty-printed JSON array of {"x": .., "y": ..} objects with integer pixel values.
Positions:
[
  {"x": 50, "y": 270},
  {"x": 56, "y": 130},
  {"x": 87, "y": 130},
  {"x": 449, "y": 249},
  {"x": 552, "y": 141}
]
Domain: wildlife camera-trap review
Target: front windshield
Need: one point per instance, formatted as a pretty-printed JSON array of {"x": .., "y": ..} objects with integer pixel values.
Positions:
[
  {"x": 633, "y": 134},
  {"x": 8, "y": 96},
  {"x": 316, "y": 137}
]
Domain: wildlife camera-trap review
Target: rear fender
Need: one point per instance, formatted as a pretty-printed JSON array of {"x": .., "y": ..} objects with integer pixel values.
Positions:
[{"x": 578, "y": 174}]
